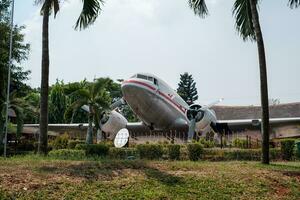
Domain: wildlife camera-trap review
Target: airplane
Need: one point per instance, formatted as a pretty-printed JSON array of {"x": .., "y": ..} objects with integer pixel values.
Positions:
[{"x": 159, "y": 108}]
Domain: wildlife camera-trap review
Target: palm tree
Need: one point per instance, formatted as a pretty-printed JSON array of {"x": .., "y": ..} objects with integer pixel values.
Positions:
[
  {"x": 97, "y": 98},
  {"x": 90, "y": 11},
  {"x": 248, "y": 25}
]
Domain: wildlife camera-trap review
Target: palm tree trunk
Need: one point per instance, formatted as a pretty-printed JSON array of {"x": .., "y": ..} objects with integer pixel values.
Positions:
[
  {"x": 89, "y": 135},
  {"x": 43, "y": 138},
  {"x": 263, "y": 82}
]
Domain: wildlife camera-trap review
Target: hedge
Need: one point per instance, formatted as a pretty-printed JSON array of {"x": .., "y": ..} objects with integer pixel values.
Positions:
[
  {"x": 122, "y": 153},
  {"x": 174, "y": 152},
  {"x": 287, "y": 148},
  {"x": 150, "y": 151},
  {"x": 94, "y": 149},
  {"x": 195, "y": 151}
]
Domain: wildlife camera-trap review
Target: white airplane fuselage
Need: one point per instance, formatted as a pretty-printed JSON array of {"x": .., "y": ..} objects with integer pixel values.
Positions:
[{"x": 156, "y": 103}]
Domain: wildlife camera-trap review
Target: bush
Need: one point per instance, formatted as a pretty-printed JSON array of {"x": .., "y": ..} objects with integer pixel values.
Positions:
[
  {"x": 72, "y": 143},
  {"x": 243, "y": 154},
  {"x": 81, "y": 146},
  {"x": 240, "y": 143},
  {"x": 122, "y": 153},
  {"x": 97, "y": 150},
  {"x": 67, "y": 154},
  {"x": 61, "y": 141},
  {"x": 298, "y": 149},
  {"x": 174, "y": 152},
  {"x": 195, "y": 151},
  {"x": 275, "y": 154},
  {"x": 287, "y": 148},
  {"x": 150, "y": 151},
  {"x": 207, "y": 143}
]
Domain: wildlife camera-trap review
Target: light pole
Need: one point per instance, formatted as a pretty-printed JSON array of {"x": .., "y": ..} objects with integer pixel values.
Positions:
[{"x": 8, "y": 73}]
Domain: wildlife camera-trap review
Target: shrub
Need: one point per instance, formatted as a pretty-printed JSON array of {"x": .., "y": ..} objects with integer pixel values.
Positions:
[
  {"x": 243, "y": 154},
  {"x": 275, "y": 154},
  {"x": 122, "y": 153},
  {"x": 61, "y": 141},
  {"x": 195, "y": 151},
  {"x": 81, "y": 146},
  {"x": 206, "y": 143},
  {"x": 298, "y": 149},
  {"x": 67, "y": 154},
  {"x": 240, "y": 143},
  {"x": 96, "y": 150},
  {"x": 150, "y": 151},
  {"x": 287, "y": 148},
  {"x": 72, "y": 143},
  {"x": 174, "y": 152}
]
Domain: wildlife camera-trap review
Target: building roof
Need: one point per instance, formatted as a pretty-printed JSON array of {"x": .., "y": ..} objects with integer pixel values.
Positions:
[{"x": 254, "y": 112}]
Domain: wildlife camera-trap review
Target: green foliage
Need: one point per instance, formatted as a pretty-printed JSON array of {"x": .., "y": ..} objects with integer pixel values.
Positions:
[
  {"x": 187, "y": 88},
  {"x": 67, "y": 154},
  {"x": 174, "y": 151},
  {"x": 287, "y": 148},
  {"x": 239, "y": 143},
  {"x": 207, "y": 143},
  {"x": 195, "y": 151},
  {"x": 122, "y": 153},
  {"x": 150, "y": 151},
  {"x": 239, "y": 154},
  {"x": 57, "y": 103},
  {"x": 96, "y": 150},
  {"x": 61, "y": 141},
  {"x": 72, "y": 143},
  {"x": 81, "y": 146},
  {"x": 297, "y": 153}
]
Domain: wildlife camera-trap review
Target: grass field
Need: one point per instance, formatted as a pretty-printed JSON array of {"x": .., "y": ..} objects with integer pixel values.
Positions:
[{"x": 42, "y": 178}]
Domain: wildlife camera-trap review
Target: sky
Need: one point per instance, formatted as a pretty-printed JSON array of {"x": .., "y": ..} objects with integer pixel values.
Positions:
[{"x": 165, "y": 38}]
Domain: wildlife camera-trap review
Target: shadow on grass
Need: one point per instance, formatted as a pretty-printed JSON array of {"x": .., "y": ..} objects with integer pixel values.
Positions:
[{"x": 108, "y": 169}]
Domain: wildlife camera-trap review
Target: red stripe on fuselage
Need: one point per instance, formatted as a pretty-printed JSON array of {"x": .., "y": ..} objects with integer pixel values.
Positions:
[{"x": 159, "y": 92}]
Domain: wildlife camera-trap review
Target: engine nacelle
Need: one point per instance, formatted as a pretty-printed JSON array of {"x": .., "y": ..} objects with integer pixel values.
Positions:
[
  {"x": 203, "y": 125},
  {"x": 114, "y": 122}
]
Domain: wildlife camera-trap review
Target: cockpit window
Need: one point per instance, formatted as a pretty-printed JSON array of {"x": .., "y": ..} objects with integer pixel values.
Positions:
[
  {"x": 150, "y": 78},
  {"x": 134, "y": 76},
  {"x": 142, "y": 76}
]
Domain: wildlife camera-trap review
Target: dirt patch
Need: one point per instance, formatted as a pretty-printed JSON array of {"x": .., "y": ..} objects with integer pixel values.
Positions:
[{"x": 294, "y": 174}]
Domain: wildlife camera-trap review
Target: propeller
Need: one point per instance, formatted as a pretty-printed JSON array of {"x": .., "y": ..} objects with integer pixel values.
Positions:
[
  {"x": 195, "y": 113},
  {"x": 118, "y": 103}
]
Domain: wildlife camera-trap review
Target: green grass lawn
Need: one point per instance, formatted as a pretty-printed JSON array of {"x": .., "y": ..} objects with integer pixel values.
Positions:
[{"x": 43, "y": 178}]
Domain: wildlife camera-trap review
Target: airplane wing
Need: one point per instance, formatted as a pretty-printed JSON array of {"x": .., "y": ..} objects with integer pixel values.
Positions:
[{"x": 254, "y": 124}]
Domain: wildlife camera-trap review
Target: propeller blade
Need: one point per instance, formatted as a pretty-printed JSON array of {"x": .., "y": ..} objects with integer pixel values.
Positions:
[
  {"x": 117, "y": 104},
  {"x": 191, "y": 132}
]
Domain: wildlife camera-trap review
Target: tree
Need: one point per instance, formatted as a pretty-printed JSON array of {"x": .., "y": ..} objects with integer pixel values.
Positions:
[
  {"x": 187, "y": 88},
  {"x": 97, "y": 98},
  {"x": 88, "y": 15},
  {"x": 20, "y": 53},
  {"x": 248, "y": 26},
  {"x": 58, "y": 103}
]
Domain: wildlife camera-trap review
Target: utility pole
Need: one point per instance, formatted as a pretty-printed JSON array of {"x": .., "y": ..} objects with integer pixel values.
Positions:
[{"x": 8, "y": 74}]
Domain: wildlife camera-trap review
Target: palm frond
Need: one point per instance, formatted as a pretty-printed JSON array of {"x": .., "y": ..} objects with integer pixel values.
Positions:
[
  {"x": 52, "y": 4},
  {"x": 199, "y": 7},
  {"x": 243, "y": 16},
  {"x": 294, "y": 3},
  {"x": 99, "y": 85},
  {"x": 90, "y": 11}
]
